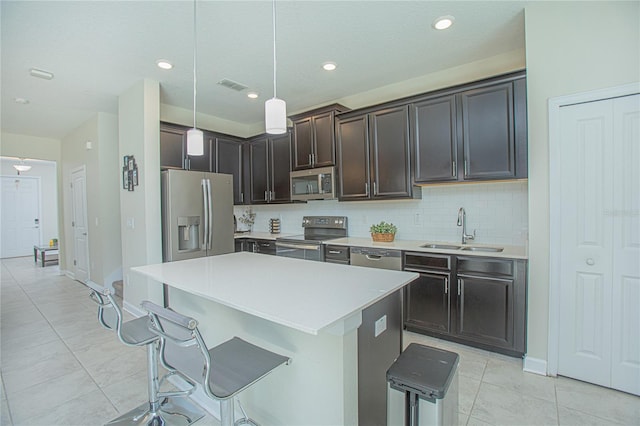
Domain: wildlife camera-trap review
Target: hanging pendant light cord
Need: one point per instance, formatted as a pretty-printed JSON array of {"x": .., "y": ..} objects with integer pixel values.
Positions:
[
  {"x": 195, "y": 51},
  {"x": 274, "y": 48}
]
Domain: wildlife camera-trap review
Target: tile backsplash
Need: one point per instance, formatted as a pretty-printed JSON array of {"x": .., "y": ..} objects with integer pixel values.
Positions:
[{"x": 498, "y": 211}]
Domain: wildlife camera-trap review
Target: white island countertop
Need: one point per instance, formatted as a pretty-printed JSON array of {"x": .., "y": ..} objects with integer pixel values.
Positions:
[{"x": 304, "y": 295}]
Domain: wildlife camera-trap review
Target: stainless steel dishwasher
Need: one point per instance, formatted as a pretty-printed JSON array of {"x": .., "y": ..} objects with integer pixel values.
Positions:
[
  {"x": 379, "y": 338},
  {"x": 376, "y": 258}
]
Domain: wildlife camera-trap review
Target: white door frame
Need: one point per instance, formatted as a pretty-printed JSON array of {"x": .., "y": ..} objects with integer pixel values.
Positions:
[{"x": 555, "y": 191}]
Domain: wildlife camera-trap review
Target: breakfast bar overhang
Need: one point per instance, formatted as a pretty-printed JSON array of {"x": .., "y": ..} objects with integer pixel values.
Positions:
[{"x": 309, "y": 311}]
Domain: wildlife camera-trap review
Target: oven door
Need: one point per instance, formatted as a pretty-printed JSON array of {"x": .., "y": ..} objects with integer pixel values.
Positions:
[{"x": 300, "y": 250}]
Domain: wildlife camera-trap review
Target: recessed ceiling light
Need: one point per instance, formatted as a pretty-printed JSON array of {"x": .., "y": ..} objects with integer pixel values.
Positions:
[
  {"x": 252, "y": 95},
  {"x": 443, "y": 22},
  {"x": 329, "y": 66},
  {"x": 164, "y": 64},
  {"x": 35, "y": 72},
  {"x": 22, "y": 101}
]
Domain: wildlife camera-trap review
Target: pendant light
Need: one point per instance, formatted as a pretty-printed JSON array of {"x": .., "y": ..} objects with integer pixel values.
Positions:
[
  {"x": 195, "y": 137},
  {"x": 275, "y": 110},
  {"x": 22, "y": 167}
]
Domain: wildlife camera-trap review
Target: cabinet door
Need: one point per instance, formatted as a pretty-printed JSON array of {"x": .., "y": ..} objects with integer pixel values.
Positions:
[
  {"x": 487, "y": 132},
  {"x": 427, "y": 302},
  {"x": 520, "y": 126},
  {"x": 302, "y": 143},
  {"x": 206, "y": 161},
  {"x": 390, "y": 152},
  {"x": 486, "y": 310},
  {"x": 325, "y": 143},
  {"x": 435, "y": 139},
  {"x": 258, "y": 154},
  {"x": 353, "y": 158},
  {"x": 280, "y": 165},
  {"x": 229, "y": 160},
  {"x": 172, "y": 148}
]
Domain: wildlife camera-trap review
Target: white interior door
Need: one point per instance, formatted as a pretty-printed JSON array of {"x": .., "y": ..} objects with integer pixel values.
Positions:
[
  {"x": 20, "y": 215},
  {"x": 625, "y": 367},
  {"x": 80, "y": 228},
  {"x": 599, "y": 254}
]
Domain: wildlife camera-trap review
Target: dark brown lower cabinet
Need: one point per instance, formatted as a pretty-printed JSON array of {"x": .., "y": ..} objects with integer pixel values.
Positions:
[{"x": 472, "y": 300}]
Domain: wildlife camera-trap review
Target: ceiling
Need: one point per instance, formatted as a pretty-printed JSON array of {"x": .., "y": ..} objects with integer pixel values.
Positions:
[{"x": 99, "y": 49}]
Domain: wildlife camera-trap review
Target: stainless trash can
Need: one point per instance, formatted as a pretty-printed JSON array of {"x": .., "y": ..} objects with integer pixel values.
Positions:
[{"x": 423, "y": 387}]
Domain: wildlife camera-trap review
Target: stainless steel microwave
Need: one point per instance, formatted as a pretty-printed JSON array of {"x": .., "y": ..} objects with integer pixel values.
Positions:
[{"x": 313, "y": 184}]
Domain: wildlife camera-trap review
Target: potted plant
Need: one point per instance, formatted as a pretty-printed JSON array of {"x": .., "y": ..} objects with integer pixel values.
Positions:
[{"x": 383, "y": 232}]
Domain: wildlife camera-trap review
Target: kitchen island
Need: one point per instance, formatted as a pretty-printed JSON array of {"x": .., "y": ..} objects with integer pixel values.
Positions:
[{"x": 309, "y": 311}]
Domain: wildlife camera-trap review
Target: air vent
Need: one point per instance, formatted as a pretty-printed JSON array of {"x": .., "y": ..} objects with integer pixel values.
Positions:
[{"x": 233, "y": 85}]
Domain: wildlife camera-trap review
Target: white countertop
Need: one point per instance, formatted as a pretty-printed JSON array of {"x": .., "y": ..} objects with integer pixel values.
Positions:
[
  {"x": 261, "y": 235},
  {"x": 304, "y": 295},
  {"x": 509, "y": 252}
]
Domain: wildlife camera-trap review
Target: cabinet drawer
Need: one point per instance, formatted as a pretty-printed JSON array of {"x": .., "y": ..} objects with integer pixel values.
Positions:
[
  {"x": 425, "y": 261},
  {"x": 336, "y": 253},
  {"x": 485, "y": 266}
]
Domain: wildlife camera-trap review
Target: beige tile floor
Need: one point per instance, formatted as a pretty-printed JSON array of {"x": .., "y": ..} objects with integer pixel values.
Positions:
[{"x": 59, "y": 367}]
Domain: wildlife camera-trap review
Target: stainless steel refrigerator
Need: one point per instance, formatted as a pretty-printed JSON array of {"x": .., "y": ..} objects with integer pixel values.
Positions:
[{"x": 197, "y": 214}]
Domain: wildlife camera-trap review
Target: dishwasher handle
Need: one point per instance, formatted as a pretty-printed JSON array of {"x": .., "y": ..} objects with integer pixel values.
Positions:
[{"x": 373, "y": 256}]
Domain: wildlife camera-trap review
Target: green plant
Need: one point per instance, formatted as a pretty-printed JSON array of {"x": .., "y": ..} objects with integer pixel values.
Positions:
[{"x": 383, "y": 228}]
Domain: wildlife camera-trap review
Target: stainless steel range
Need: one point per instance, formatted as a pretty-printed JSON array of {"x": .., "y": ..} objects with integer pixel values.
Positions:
[{"x": 317, "y": 230}]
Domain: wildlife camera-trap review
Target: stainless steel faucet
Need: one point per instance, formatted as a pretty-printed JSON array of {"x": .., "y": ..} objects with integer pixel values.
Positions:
[{"x": 462, "y": 221}]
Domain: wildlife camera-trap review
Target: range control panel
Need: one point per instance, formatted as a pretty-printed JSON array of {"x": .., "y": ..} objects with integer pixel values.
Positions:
[{"x": 333, "y": 222}]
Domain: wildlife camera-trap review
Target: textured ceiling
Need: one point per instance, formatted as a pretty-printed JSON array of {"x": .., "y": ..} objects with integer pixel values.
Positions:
[{"x": 97, "y": 50}]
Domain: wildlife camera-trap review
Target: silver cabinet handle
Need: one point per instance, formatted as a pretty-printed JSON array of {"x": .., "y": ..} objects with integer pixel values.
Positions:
[
  {"x": 266, "y": 195},
  {"x": 310, "y": 160},
  {"x": 454, "y": 170},
  {"x": 272, "y": 195},
  {"x": 299, "y": 246},
  {"x": 459, "y": 285},
  {"x": 591, "y": 262},
  {"x": 375, "y": 188},
  {"x": 335, "y": 252},
  {"x": 466, "y": 168},
  {"x": 366, "y": 188},
  {"x": 446, "y": 286}
]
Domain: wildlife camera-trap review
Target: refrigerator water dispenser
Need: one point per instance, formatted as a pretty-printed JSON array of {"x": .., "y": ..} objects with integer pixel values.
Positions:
[{"x": 188, "y": 233}]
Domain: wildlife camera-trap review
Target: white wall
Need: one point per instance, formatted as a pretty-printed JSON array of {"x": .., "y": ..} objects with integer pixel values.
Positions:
[
  {"x": 102, "y": 184},
  {"x": 139, "y": 135},
  {"x": 46, "y": 171},
  {"x": 571, "y": 47},
  {"x": 497, "y": 210}
]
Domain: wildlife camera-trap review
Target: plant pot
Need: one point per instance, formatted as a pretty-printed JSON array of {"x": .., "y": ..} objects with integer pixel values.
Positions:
[{"x": 383, "y": 238}]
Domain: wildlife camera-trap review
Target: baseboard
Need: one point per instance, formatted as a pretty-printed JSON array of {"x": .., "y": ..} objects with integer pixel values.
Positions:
[
  {"x": 534, "y": 365},
  {"x": 133, "y": 309},
  {"x": 69, "y": 274}
]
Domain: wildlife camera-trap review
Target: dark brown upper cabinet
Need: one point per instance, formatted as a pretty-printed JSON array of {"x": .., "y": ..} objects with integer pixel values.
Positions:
[
  {"x": 314, "y": 138},
  {"x": 270, "y": 164},
  {"x": 229, "y": 161},
  {"x": 472, "y": 135},
  {"x": 173, "y": 150},
  {"x": 374, "y": 155},
  {"x": 435, "y": 138}
]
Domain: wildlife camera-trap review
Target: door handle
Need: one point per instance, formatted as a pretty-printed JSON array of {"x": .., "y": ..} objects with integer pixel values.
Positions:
[
  {"x": 590, "y": 262},
  {"x": 84, "y": 233},
  {"x": 446, "y": 286}
]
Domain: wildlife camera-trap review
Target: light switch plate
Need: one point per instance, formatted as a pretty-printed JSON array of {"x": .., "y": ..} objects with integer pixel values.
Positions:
[{"x": 380, "y": 326}]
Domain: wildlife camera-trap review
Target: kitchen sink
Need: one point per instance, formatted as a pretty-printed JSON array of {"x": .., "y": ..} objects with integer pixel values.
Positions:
[
  {"x": 441, "y": 246},
  {"x": 486, "y": 249}
]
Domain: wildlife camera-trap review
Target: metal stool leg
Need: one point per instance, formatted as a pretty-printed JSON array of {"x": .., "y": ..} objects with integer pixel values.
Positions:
[{"x": 170, "y": 411}]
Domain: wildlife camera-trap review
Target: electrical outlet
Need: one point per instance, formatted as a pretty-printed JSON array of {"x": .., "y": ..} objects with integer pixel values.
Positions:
[
  {"x": 380, "y": 325},
  {"x": 417, "y": 219}
]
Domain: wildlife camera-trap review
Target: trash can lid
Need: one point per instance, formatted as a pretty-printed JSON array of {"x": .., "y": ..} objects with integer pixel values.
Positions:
[{"x": 424, "y": 370}]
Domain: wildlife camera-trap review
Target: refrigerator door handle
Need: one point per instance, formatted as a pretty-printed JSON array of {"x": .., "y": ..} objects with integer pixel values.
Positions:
[
  {"x": 205, "y": 205},
  {"x": 210, "y": 209}
]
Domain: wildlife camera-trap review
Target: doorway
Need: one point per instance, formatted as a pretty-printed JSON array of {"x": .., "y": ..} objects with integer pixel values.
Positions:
[
  {"x": 595, "y": 238},
  {"x": 20, "y": 215}
]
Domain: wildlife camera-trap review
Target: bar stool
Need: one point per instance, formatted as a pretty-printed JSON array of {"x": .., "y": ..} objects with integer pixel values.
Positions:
[
  {"x": 163, "y": 408},
  {"x": 223, "y": 371}
]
